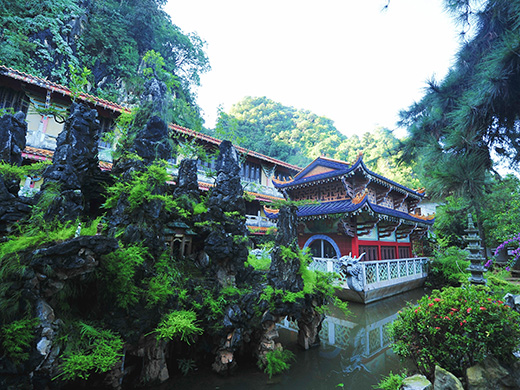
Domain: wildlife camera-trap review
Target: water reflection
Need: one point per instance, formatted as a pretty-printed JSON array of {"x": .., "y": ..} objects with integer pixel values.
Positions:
[{"x": 354, "y": 352}]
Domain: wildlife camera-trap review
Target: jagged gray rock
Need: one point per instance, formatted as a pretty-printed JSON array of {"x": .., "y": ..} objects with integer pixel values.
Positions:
[
  {"x": 491, "y": 375},
  {"x": 13, "y": 130},
  {"x": 74, "y": 168},
  {"x": 416, "y": 382},
  {"x": 445, "y": 380},
  {"x": 226, "y": 243}
]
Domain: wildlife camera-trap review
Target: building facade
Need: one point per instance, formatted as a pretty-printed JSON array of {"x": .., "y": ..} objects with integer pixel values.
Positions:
[{"x": 354, "y": 211}]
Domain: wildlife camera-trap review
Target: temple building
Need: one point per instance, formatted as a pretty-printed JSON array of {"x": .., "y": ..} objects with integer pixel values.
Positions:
[
  {"x": 354, "y": 211},
  {"x": 45, "y": 105}
]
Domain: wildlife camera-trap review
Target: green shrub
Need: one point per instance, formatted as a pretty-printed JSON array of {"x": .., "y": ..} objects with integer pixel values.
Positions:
[
  {"x": 391, "y": 382},
  {"x": 178, "y": 324},
  {"x": 448, "y": 268},
  {"x": 277, "y": 361},
  {"x": 259, "y": 263},
  {"x": 117, "y": 272},
  {"x": 88, "y": 349},
  {"x": 142, "y": 188},
  {"x": 455, "y": 329},
  {"x": 16, "y": 338}
]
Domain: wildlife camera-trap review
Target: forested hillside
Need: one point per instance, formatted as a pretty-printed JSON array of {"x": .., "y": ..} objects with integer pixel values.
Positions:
[
  {"x": 299, "y": 136},
  {"x": 54, "y": 38}
]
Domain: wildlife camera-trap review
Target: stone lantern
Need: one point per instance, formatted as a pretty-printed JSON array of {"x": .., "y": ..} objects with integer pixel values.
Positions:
[{"x": 476, "y": 267}]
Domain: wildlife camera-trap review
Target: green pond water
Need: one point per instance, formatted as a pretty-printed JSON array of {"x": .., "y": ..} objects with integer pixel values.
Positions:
[{"x": 354, "y": 352}]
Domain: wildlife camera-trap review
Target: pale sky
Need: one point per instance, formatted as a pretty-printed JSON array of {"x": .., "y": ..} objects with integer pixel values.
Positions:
[{"x": 342, "y": 59}]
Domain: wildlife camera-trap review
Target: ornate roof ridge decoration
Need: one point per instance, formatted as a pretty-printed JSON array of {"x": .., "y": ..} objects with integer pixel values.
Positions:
[
  {"x": 429, "y": 217},
  {"x": 342, "y": 169},
  {"x": 55, "y": 87},
  {"x": 336, "y": 208},
  {"x": 360, "y": 196}
]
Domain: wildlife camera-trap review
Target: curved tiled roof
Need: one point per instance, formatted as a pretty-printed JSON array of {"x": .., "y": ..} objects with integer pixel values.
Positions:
[
  {"x": 347, "y": 206},
  {"x": 339, "y": 168},
  {"x": 55, "y": 87}
]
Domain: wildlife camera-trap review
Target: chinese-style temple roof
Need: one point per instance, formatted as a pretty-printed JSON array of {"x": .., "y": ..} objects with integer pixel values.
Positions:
[
  {"x": 314, "y": 211},
  {"x": 55, "y": 87},
  {"x": 65, "y": 91},
  {"x": 324, "y": 169}
]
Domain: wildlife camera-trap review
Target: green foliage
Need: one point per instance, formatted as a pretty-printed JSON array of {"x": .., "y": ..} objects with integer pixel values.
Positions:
[
  {"x": 472, "y": 114},
  {"x": 500, "y": 210},
  {"x": 451, "y": 219},
  {"x": 88, "y": 349},
  {"x": 392, "y": 381},
  {"x": 117, "y": 270},
  {"x": 117, "y": 40},
  {"x": 497, "y": 281},
  {"x": 199, "y": 208},
  {"x": 178, "y": 324},
  {"x": 160, "y": 288},
  {"x": 456, "y": 328},
  {"x": 141, "y": 188},
  {"x": 79, "y": 79},
  {"x": 16, "y": 338},
  {"x": 186, "y": 365},
  {"x": 10, "y": 171},
  {"x": 259, "y": 263},
  {"x": 448, "y": 268},
  {"x": 277, "y": 361}
]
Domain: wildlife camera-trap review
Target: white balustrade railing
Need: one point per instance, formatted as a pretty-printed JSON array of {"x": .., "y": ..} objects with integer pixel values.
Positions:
[{"x": 376, "y": 272}]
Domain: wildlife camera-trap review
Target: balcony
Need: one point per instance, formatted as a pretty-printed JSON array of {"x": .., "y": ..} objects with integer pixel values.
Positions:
[
  {"x": 377, "y": 279},
  {"x": 40, "y": 140}
]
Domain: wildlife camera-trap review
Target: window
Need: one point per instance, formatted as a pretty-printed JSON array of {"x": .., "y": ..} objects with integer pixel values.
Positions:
[
  {"x": 250, "y": 172},
  {"x": 404, "y": 252},
  {"x": 370, "y": 252},
  {"x": 387, "y": 252},
  {"x": 322, "y": 249},
  {"x": 9, "y": 98}
]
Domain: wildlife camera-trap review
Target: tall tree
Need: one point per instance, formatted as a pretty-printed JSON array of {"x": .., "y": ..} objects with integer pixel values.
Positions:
[{"x": 474, "y": 112}]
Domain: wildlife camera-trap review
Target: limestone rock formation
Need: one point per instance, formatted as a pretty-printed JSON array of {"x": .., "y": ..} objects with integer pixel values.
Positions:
[
  {"x": 145, "y": 223},
  {"x": 445, "y": 380},
  {"x": 416, "y": 382},
  {"x": 13, "y": 130},
  {"x": 226, "y": 243},
  {"x": 284, "y": 272},
  {"x": 74, "y": 173},
  {"x": 491, "y": 375}
]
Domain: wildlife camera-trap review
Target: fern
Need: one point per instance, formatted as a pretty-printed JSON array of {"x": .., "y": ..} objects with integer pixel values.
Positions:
[
  {"x": 180, "y": 324},
  {"x": 95, "y": 350},
  {"x": 277, "y": 361}
]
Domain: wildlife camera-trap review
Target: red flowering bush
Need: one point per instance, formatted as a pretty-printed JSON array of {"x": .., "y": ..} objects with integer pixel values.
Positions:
[{"x": 456, "y": 328}]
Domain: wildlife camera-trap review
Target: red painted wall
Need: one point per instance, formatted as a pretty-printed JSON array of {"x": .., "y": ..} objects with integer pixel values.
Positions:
[{"x": 351, "y": 245}]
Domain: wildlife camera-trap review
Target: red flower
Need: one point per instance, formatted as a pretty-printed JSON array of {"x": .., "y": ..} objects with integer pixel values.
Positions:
[
  {"x": 437, "y": 327},
  {"x": 500, "y": 302},
  {"x": 453, "y": 309},
  {"x": 468, "y": 310},
  {"x": 482, "y": 308},
  {"x": 430, "y": 304},
  {"x": 437, "y": 299}
]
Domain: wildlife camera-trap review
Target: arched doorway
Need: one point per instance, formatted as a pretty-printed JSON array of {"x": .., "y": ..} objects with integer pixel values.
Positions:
[{"x": 323, "y": 246}]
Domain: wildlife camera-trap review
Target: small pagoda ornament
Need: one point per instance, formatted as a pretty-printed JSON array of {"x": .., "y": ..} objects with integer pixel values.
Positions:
[{"x": 475, "y": 257}]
